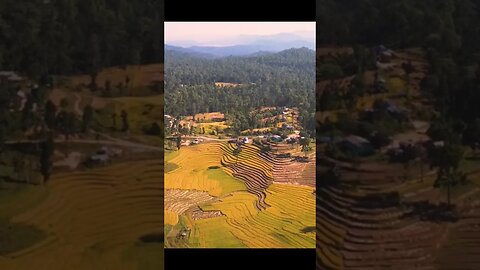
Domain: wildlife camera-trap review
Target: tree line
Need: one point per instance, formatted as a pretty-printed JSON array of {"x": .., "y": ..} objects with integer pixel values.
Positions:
[{"x": 46, "y": 37}]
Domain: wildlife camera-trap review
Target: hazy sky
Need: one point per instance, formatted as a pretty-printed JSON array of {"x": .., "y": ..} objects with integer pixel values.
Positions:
[{"x": 225, "y": 33}]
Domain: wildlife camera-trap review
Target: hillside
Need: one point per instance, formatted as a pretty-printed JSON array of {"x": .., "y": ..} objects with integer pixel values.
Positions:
[
  {"x": 285, "y": 78},
  {"x": 398, "y": 134},
  {"x": 254, "y": 69}
]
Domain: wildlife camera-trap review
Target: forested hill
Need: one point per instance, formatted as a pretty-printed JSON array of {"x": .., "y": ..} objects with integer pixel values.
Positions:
[
  {"x": 192, "y": 69},
  {"x": 286, "y": 78},
  {"x": 46, "y": 37},
  {"x": 448, "y": 31}
]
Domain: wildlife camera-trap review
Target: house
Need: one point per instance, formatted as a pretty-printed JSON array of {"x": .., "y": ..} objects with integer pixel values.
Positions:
[
  {"x": 439, "y": 143},
  {"x": 383, "y": 54},
  {"x": 170, "y": 120},
  {"x": 111, "y": 152},
  {"x": 275, "y": 138},
  {"x": 356, "y": 145},
  {"x": 101, "y": 158},
  {"x": 10, "y": 76},
  {"x": 287, "y": 127},
  {"x": 245, "y": 140},
  {"x": 379, "y": 49},
  {"x": 394, "y": 109},
  {"x": 103, "y": 155}
]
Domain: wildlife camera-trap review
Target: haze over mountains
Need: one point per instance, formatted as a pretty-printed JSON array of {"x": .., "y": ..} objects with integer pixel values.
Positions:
[{"x": 244, "y": 45}]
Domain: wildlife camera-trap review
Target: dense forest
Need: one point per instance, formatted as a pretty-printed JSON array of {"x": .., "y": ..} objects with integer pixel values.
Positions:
[
  {"x": 286, "y": 78},
  {"x": 47, "y": 37},
  {"x": 448, "y": 30},
  {"x": 44, "y": 38}
]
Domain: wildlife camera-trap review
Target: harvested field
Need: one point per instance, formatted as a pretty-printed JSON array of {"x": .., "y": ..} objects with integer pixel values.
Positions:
[
  {"x": 246, "y": 209},
  {"x": 280, "y": 225},
  {"x": 193, "y": 173},
  {"x": 179, "y": 201},
  {"x": 96, "y": 218}
]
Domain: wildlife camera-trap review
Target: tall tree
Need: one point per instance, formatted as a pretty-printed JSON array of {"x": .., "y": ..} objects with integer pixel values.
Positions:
[
  {"x": 124, "y": 116},
  {"x": 87, "y": 118},
  {"x": 50, "y": 115},
  {"x": 46, "y": 151},
  {"x": 450, "y": 180}
]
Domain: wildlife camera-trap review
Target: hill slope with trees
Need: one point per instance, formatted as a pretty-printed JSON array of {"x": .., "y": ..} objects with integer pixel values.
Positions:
[{"x": 286, "y": 78}]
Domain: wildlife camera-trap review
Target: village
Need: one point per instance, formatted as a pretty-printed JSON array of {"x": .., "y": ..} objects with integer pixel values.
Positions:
[
  {"x": 279, "y": 125},
  {"x": 381, "y": 153}
]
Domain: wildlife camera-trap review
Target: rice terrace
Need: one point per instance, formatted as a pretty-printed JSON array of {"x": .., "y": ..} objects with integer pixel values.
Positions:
[
  {"x": 398, "y": 133},
  {"x": 91, "y": 194},
  {"x": 239, "y": 158},
  {"x": 81, "y": 156}
]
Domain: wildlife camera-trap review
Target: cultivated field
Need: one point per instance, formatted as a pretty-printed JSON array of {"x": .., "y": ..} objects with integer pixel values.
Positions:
[
  {"x": 244, "y": 206},
  {"x": 102, "y": 218},
  {"x": 382, "y": 215}
]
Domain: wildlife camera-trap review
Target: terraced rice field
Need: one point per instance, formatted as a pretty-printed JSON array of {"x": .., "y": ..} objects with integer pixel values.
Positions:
[
  {"x": 352, "y": 234},
  {"x": 280, "y": 225},
  {"x": 355, "y": 235},
  {"x": 96, "y": 219},
  {"x": 247, "y": 208}
]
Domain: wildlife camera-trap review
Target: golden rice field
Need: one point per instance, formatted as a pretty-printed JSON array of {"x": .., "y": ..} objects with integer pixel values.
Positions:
[
  {"x": 193, "y": 173},
  {"x": 95, "y": 219},
  {"x": 292, "y": 210},
  {"x": 289, "y": 221}
]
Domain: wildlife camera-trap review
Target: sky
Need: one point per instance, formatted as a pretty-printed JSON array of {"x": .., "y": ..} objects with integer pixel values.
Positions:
[{"x": 228, "y": 33}]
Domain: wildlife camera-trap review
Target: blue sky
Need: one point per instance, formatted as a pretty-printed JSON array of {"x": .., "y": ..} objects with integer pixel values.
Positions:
[{"x": 230, "y": 33}]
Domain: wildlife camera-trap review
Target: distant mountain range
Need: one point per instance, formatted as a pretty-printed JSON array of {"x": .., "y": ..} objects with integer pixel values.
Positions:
[{"x": 253, "y": 46}]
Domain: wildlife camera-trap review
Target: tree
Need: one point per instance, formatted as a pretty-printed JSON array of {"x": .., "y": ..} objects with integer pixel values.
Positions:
[
  {"x": 154, "y": 130},
  {"x": 305, "y": 142},
  {"x": 114, "y": 121},
  {"x": 449, "y": 180},
  {"x": 179, "y": 142},
  {"x": 236, "y": 152},
  {"x": 87, "y": 118},
  {"x": 471, "y": 136},
  {"x": 46, "y": 151},
  {"x": 410, "y": 153},
  {"x": 27, "y": 114},
  {"x": 124, "y": 116},
  {"x": 70, "y": 125},
  {"x": 61, "y": 122},
  {"x": 447, "y": 159},
  {"x": 50, "y": 115}
]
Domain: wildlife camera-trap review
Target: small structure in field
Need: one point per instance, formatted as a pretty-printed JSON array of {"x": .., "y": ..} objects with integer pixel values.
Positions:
[
  {"x": 10, "y": 76},
  {"x": 103, "y": 155},
  {"x": 356, "y": 145}
]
